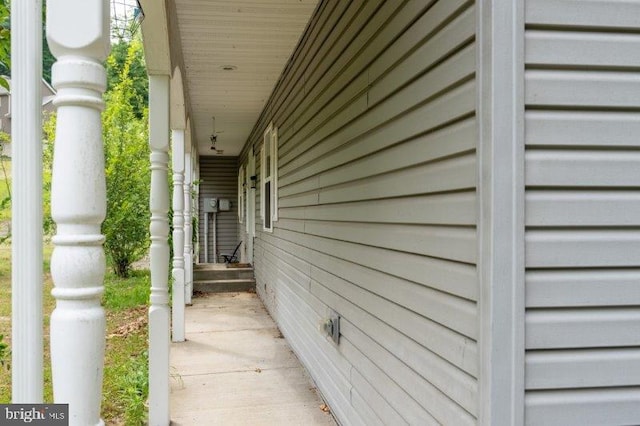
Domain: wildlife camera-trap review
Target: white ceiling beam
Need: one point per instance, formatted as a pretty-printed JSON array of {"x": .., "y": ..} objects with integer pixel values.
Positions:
[{"x": 156, "y": 37}]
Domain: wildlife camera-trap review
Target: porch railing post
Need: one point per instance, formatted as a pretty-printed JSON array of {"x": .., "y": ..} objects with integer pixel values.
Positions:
[
  {"x": 195, "y": 162},
  {"x": 195, "y": 177},
  {"x": 78, "y": 35},
  {"x": 159, "y": 251},
  {"x": 178, "y": 293},
  {"x": 188, "y": 231},
  {"x": 26, "y": 271}
]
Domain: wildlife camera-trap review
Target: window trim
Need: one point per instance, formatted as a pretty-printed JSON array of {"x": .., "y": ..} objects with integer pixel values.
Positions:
[
  {"x": 241, "y": 198},
  {"x": 272, "y": 133},
  {"x": 247, "y": 197}
]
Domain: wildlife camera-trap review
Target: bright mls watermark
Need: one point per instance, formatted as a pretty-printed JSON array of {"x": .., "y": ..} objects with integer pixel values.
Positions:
[{"x": 34, "y": 414}]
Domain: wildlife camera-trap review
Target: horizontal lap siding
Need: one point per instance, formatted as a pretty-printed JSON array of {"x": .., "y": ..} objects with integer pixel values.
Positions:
[
  {"x": 377, "y": 220},
  {"x": 219, "y": 179},
  {"x": 583, "y": 212}
]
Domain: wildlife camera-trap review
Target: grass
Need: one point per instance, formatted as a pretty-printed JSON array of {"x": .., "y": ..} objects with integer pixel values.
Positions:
[
  {"x": 125, "y": 386},
  {"x": 126, "y": 293},
  {"x": 5, "y": 186},
  {"x": 126, "y": 382},
  {"x": 5, "y": 321}
]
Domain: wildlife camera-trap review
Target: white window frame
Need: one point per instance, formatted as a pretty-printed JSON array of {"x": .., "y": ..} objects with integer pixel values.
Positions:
[
  {"x": 247, "y": 196},
  {"x": 241, "y": 199},
  {"x": 272, "y": 133}
]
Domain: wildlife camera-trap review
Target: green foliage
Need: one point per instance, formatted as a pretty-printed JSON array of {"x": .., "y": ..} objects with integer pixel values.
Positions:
[
  {"x": 194, "y": 213},
  {"x": 127, "y": 171},
  {"x": 5, "y": 42},
  {"x": 125, "y": 293},
  {"x": 49, "y": 133},
  {"x": 127, "y": 59},
  {"x": 47, "y": 57},
  {"x": 125, "y": 133},
  {"x": 5, "y": 163},
  {"x": 4, "y": 352},
  {"x": 47, "y": 61},
  {"x": 5, "y": 192},
  {"x": 126, "y": 380},
  {"x": 5, "y": 45},
  {"x": 134, "y": 389},
  {"x": 49, "y": 126}
]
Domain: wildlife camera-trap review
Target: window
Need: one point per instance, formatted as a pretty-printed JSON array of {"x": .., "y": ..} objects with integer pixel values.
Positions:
[
  {"x": 269, "y": 181},
  {"x": 241, "y": 199},
  {"x": 248, "y": 185}
]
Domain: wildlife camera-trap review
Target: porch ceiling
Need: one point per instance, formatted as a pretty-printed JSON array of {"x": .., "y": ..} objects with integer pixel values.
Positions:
[{"x": 256, "y": 38}]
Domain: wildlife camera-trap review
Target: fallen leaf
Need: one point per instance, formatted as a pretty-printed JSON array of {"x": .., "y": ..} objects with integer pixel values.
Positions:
[{"x": 130, "y": 327}]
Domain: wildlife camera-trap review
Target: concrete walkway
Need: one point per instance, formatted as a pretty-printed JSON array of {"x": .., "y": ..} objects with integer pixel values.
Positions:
[{"x": 236, "y": 369}]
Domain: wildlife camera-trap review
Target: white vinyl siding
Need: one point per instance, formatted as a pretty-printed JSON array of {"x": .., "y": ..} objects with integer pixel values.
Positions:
[
  {"x": 376, "y": 220},
  {"x": 582, "y": 132}
]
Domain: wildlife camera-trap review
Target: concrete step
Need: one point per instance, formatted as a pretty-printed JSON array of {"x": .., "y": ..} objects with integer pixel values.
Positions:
[
  {"x": 211, "y": 274},
  {"x": 224, "y": 285}
]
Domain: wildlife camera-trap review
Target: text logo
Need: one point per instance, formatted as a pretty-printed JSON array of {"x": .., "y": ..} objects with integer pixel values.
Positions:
[{"x": 34, "y": 414}]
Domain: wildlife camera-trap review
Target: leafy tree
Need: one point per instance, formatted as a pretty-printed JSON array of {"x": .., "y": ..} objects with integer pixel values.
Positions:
[
  {"x": 5, "y": 45},
  {"x": 127, "y": 169},
  {"x": 125, "y": 134},
  {"x": 49, "y": 132},
  {"x": 47, "y": 58},
  {"x": 129, "y": 53}
]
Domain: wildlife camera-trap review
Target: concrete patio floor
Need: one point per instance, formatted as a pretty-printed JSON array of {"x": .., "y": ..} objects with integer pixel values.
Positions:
[{"x": 236, "y": 369}]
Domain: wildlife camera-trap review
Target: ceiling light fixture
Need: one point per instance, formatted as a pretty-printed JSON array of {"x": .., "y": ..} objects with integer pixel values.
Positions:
[{"x": 214, "y": 136}]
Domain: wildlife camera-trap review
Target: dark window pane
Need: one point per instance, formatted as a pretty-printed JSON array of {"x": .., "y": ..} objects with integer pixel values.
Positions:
[{"x": 267, "y": 204}]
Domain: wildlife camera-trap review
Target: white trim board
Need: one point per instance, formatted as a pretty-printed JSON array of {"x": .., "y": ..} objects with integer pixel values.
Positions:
[{"x": 500, "y": 103}]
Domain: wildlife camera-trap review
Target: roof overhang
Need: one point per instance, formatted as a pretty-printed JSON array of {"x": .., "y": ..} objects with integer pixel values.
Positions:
[{"x": 228, "y": 56}]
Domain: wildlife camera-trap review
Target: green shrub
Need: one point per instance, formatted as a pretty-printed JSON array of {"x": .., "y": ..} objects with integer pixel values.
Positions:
[
  {"x": 4, "y": 352},
  {"x": 126, "y": 226},
  {"x": 135, "y": 390}
]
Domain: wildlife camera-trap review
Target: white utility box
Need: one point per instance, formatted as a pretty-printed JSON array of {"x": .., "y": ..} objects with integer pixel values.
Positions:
[
  {"x": 210, "y": 205},
  {"x": 224, "y": 204}
]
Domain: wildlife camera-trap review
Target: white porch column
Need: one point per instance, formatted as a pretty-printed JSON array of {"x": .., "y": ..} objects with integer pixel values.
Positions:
[
  {"x": 196, "y": 177},
  {"x": 178, "y": 293},
  {"x": 78, "y": 34},
  {"x": 26, "y": 270},
  {"x": 188, "y": 231},
  {"x": 159, "y": 251}
]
